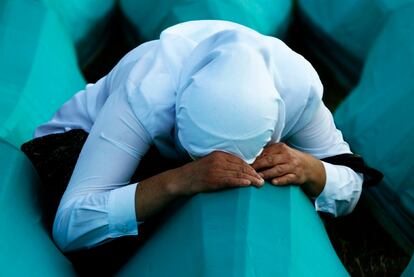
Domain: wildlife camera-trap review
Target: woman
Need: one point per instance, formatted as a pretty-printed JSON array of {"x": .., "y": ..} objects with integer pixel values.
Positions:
[{"x": 216, "y": 94}]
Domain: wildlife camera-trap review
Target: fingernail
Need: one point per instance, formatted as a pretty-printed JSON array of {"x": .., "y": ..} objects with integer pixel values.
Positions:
[{"x": 274, "y": 182}]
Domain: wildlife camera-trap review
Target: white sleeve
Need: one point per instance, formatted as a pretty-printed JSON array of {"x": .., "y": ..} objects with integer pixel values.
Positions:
[
  {"x": 99, "y": 203},
  {"x": 321, "y": 139}
]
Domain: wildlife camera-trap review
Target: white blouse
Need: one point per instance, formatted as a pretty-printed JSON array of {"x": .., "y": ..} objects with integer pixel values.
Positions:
[{"x": 133, "y": 107}]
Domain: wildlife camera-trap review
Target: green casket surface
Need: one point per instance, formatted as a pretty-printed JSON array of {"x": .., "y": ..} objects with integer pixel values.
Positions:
[
  {"x": 349, "y": 27},
  {"x": 86, "y": 21},
  {"x": 271, "y": 231},
  {"x": 25, "y": 247},
  {"x": 409, "y": 271},
  {"x": 377, "y": 119},
  {"x": 38, "y": 68},
  {"x": 149, "y": 18}
]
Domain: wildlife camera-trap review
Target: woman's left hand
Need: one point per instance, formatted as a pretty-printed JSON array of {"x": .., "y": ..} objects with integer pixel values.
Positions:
[{"x": 283, "y": 165}]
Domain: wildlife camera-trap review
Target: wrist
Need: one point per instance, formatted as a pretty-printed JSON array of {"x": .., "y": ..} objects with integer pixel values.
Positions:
[
  {"x": 174, "y": 183},
  {"x": 316, "y": 179}
]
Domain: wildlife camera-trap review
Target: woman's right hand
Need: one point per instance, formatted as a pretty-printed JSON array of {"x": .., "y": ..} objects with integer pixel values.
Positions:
[{"x": 216, "y": 171}]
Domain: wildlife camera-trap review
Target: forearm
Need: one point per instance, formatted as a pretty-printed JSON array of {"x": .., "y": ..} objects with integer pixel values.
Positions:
[{"x": 155, "y": 193}]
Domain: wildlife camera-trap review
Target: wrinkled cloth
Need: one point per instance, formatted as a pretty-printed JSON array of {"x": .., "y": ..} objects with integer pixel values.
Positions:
[{"x": 149, "y": 98}]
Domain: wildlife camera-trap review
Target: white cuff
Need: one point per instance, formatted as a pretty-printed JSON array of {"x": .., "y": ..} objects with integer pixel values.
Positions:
[
  {"x": 341, "y": 192},
  {"x": 325, "y": 202},
  {"x": 121, "y": 211}
]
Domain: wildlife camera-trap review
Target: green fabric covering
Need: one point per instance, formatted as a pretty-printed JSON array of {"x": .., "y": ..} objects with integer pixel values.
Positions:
[
  {"x": 38, "y": 69},
  {"x": 354, "y": 24},
  {"x": 377, "y": 118},
  {"x": 86, "y": 22},
  {"x": 409, "y": 271},
  {"x": 25, "y": 247},
  {"x": 149, "y": 18},
  {"x": 271, "y": 231}
]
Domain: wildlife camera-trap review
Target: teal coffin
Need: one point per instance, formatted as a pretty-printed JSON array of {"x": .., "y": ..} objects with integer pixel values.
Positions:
[
  {"x": 25, "y": 247},
  {"x": 271, "y": 231},
  {"x": 149, "y": 18},
  {"x": 377, "y": 120},
  {"x": 349, "y": 28},
  {"x": 38, "y": 68},
  {"x": 409, "y": 271},
  {"x": 242, "y": 232},
  {"x": 86, "y": 21}
]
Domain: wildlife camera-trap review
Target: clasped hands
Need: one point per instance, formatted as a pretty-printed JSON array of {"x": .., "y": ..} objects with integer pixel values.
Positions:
[{"x": 278, "y": 163}]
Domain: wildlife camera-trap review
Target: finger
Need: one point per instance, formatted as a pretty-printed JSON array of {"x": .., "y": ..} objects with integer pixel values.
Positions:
[
  {"x": 256, "y": 181},
  {"x": 277, "y": 171},
  {"x": 244, "y": 168},
  {"x": 240, "y": 175},
  {"x": 236, "y": 182},
  {"x": 270, "y": 161},
  {"x": 237, "y": 164},
  {"x": 232, "y": 163},
  {"x": 288, "y": 179}
]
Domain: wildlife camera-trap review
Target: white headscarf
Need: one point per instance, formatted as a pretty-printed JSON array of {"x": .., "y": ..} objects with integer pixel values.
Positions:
[{"x": 226, "y": 98}]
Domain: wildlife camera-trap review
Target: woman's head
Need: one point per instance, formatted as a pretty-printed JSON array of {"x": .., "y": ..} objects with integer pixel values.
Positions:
[{"x": 226, "y": 99}]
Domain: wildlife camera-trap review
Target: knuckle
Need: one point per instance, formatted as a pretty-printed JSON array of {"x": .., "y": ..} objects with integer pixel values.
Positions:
[
  {"x": 270, "y": 159},
  {"x": 250, "y": 171},
  {"x": 239, "y": 175}
]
